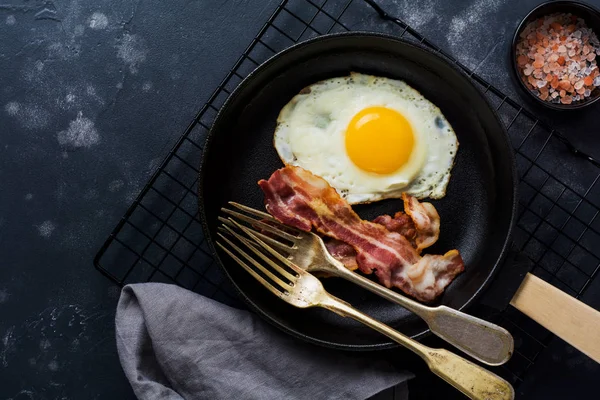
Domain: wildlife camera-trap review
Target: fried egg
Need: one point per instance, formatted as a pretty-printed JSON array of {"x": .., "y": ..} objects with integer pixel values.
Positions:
[{"x": 370, "y": 137}]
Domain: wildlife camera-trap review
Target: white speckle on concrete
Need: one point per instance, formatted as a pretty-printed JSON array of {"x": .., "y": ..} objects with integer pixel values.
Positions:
[
  {"x": 147, "y": 86},
  {"x": 462, "y": 25},
  {"x": 90, "y": 194},
  {"x": 98, "y": 21},
  {"x": 78, "y": 31},
  {"x": 59, "y": 193},
  {"x": 39, "y": 65},
  {"x": 45, "y": 344},
  {"x": 80, "y": 133},
  {"x": 119, "y": 85},
  {"x": 64, "y": 51},
  {"x": 154, "y": 163},
  {"x": 12, "y": 108},
  {"x": 53, "y": 365},
  {"x": 132, "y": 51},
  {"x": 4, "y": 295},
  {"x": 34, "y": 117},
  {"x": 65, "y": 155},
  {"x": 132, "y": 195},
  {"x": 416, "y": 16},
  {"x": 91, "y": 92},
  {"x": 8, "y": 346},
  {"x": 70, "y": 98},
  {"x": 30, "y": 116},
  {"x": 28, "y": 196},
  {"x": 46, "y": 228},
  {"x": 11, "y": 20},
  {"x": 115, "y": 185}
]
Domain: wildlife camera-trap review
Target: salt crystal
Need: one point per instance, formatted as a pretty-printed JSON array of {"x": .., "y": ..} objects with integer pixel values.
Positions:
[
  {"x": 576, "y": 98},
  {"x": 562, "y": 49},
  {"x": 566, "y": 100},
  {"x": 554, "y": 95},
  {"x": 597, "y": 81},
  {"x": 577, "y": 34},
  {"x": 541, "y": 84},
  {"x": 571, "y": 53},
  {"x": 587, "y": 93},
  {"x": 586, "y": 50}
]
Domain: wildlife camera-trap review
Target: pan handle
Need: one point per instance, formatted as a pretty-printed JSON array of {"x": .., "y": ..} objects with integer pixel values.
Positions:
[{"x": 568, "y": 318}]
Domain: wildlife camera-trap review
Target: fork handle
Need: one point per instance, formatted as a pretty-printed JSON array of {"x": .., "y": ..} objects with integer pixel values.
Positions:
[
  {"x": 474, "y": 381},
  {"x": 482, "y": 340}
]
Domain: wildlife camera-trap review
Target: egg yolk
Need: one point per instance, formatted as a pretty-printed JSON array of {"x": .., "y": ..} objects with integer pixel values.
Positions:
[{"x": 379, "y": 140}]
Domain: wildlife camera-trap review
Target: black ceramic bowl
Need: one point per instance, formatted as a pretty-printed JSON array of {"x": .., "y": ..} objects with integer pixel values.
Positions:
[{"x": 589, "y": 14}]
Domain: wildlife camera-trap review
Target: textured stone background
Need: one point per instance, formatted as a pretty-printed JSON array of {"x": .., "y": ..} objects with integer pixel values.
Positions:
[{"x": 92, "y": 95}]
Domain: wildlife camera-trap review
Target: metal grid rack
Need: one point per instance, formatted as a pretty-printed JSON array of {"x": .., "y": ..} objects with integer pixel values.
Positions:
[{"x": 160, "y": 237}]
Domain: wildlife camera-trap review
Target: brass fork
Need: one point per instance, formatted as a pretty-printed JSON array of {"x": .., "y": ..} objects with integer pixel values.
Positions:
[
  {"x": 482, "y": 340},
  {"x": 301, "y": 289}
]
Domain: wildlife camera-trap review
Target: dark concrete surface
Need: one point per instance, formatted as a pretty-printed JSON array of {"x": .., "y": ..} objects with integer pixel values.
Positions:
[{"x": 92, "y": 94}]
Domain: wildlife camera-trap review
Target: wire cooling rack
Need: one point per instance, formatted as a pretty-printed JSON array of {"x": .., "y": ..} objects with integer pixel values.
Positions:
[{"x": 160, "y": 237}]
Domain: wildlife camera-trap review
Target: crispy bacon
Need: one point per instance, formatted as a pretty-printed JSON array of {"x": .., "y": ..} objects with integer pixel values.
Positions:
[
  {"x": 426, "y": 220},
  {"x": 300, "y": 199},
  {"x": 400, "y": 223},
  {"x": 343, "y": 252}
]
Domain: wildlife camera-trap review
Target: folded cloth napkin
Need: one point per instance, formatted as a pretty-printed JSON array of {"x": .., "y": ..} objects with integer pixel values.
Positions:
[{"x": 176, "y": 344}]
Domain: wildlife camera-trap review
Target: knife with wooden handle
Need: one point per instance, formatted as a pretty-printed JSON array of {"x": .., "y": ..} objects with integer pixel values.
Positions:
[{"x": 568, "y": 318}]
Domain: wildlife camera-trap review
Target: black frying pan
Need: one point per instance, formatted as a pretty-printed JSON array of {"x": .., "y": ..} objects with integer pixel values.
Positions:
[{"x": 477, "y": 213}]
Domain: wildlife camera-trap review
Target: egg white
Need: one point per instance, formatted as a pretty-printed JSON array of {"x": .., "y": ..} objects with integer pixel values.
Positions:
[{"x": 311, "y": 132}]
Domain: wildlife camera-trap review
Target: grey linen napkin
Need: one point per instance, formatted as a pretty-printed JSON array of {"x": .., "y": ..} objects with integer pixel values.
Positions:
[{"x": 176, "y": 344}]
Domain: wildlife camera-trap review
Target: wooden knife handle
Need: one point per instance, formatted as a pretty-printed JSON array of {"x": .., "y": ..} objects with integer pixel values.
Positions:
[{"x": 568, "y": 318}]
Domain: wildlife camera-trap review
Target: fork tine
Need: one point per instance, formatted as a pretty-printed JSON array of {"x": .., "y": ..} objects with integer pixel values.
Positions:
[
  {"x": 268, "y": 239},
  {"x": 270, "y": 274},
  {"x": 253, "y": 211},
  {"x": 259, "y": 253},
  {"x": 270, "y": 228},
  {"x": 271, "y": 250},
  {"x": 264, "y": 215},
  {"x": 259, "y": 278}
]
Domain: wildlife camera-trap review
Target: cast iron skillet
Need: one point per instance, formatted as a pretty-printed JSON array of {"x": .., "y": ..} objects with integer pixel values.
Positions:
[{"x": 477, "y": 213}]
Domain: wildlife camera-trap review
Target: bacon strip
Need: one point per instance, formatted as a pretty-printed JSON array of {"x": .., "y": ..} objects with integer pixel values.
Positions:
[
  {"x": 420, "y": 225},
  {"x": 346, "y": 254},
  {"x": 401, "y": 223},
  {"x": 300, "y": 199},
  {"x": 425, "y": 219}
]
